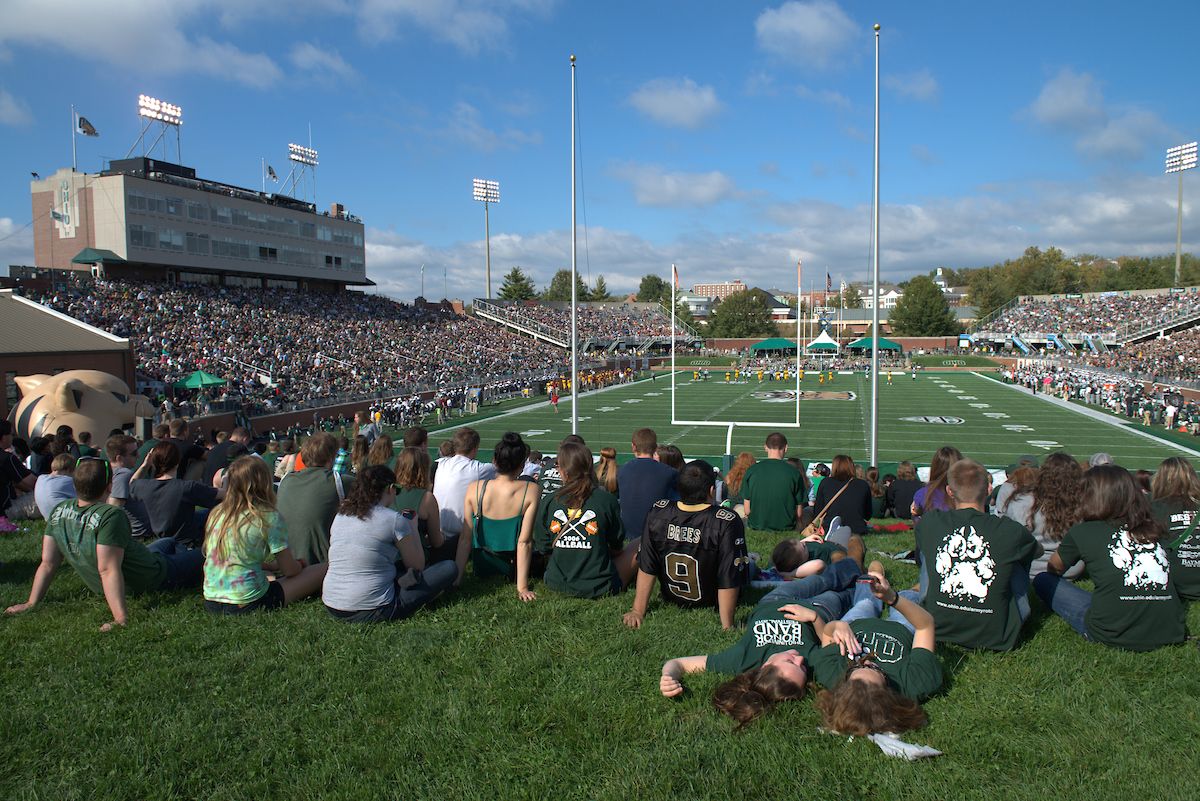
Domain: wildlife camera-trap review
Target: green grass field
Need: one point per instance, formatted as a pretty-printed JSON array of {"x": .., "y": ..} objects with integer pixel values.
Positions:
[
  {"x": 482, "y": 697},
  {"x": 987, "y": 420}
]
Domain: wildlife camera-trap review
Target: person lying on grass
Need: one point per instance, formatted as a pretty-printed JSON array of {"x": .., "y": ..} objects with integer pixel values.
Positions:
[
  {"x": 96, "y": 539},
  {"x": 246, "y": 539},
  {"x": 695, "y": 549},
  {"x": 877, "y": 671},
  {"x": 1135, "y": 605},
  {"x": 771, "y": 662},
  {"x": 365, "y": 542},
  {"x": 580, "y": 527}
]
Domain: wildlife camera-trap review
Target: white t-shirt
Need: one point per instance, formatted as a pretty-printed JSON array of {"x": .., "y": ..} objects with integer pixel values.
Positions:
[{"x": 454, "y": 475}]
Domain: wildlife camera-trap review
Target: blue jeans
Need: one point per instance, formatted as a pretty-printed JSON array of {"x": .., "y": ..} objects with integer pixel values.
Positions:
[
  {"x": 1065, "y": 600},
  {"x": 829, "y": 592},
  {"x": 866, "y": 605},
  {"x": 430, "y": 583},
  {"x": 185, "y": 567}
]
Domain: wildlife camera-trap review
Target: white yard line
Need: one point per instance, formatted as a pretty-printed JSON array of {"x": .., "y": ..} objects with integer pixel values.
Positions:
[{"x": 1095, "y": 415}]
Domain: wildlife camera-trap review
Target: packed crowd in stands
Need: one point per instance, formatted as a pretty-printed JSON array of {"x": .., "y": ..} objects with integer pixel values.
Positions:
[
  {"x": 310, "y": 346},
  {"x": 1105, "y": 315},
  {"x": 1173, "y": 359},
  {"x": 378, "y": 531},
  {"x": 598, "y": 321}
]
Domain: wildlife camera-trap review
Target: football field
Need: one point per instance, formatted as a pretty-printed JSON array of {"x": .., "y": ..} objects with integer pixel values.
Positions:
[{"x": 992, "y": 422}]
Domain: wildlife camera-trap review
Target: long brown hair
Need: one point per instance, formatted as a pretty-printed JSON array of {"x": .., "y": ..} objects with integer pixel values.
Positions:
[
  {"x": 359, "y": 453},
  {"x": 413, "y": 468},
  {"x": 842, "y": 468},
  {"x": 733, "y": 479},
  {"x": 369, "y": 488},
  {"x": 606, "y": 471},
  {"x": 945, "y": 457},
  {"x": 381, "y": 451},
  {"x": 857, "y": 708},
  {"x": 750, "y": 695},
  {"x": 162, "y": 458},
  {"x": 575, "y": 466},
  {"x": 1109, "y": 493},
  {"x": 873, "y": 479},
  {"x": 1056, "y": 494},
  {"x": 1176, "y": 481},
  {"x": 249, "y": 495}
]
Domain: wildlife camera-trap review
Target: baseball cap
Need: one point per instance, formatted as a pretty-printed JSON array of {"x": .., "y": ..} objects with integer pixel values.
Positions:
[{"x": 1100, "y": 459}]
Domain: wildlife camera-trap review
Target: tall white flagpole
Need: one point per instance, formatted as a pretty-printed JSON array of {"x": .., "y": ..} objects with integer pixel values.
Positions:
[
  {"x": 799, "y": 346},
  {"x": 574, "y": 279},
  {"x": 674, "y": 274},
  {"x": 74, "y": 125},
  {"x": 875, "y": 265}
]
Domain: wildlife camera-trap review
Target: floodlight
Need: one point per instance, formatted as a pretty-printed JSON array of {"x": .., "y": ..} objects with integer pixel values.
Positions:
[
  {"x": 486, "y": 191},
  {"x": 1181, "y": 157},
  {"x": 302, "y": 154},
  {"x": 160, "y": 110}
]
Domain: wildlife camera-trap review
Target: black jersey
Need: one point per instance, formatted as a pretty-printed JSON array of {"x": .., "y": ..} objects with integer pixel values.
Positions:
[{"x": 693, "y": 554}]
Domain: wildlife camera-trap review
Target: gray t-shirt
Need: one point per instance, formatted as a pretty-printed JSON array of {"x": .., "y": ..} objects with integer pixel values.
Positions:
[
  {"x": 362, "y": 560},
  {"x": 50, "y": 491},
  {"x": 120, "y": 487}
]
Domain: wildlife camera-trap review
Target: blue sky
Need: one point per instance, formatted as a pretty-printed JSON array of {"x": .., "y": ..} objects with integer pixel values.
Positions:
[{"x": 731, "y": 138}]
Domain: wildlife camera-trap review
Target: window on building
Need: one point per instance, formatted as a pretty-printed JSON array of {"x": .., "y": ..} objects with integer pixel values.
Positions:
[
  {"x": 170, "y": 240},
  {"x": 197, "y": 211},
  {"x": 197, "y": 244},
  {"x": 174, "y": 205},
  {"x": 11, "y": 393},
  {"x": 267, "y": 253},
  {"x": 142, "y": 237}
]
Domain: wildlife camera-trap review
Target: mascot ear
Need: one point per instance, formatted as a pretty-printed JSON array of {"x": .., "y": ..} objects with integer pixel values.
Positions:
[
  {"x": 69, "y": 395},
  {"x": 28, "y": 383}
]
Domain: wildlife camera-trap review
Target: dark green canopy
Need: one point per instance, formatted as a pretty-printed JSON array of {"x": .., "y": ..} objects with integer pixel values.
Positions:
[
  {"x": 96, "y": 256},
  {"x": 884, "y": 344},
  {"x": 776, "y": 343},
  {"x": 199, "y": 380}
]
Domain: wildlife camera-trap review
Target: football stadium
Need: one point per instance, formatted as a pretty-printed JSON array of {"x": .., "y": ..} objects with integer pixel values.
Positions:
[{"x": 744, "y": 516}]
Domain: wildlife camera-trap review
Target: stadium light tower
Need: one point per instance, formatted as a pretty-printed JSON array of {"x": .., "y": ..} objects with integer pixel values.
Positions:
[
  {"x": 486, "y": 192},
  {"x": 304, "y": 161},
  {"x": 166, "y": 115},
  {"x": 1180, "y": 158}
]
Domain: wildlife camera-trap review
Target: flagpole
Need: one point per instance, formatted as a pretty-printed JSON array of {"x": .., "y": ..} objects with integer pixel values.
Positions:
[
  {"x": 74, "y": 125},
  {"x": 673, "y": 274},
  {"x": 574, "y": 275},
  {"x": 264, "y": 174},
  {"x": 799, "y": 284},
  {"x": 875, "y": 270}
]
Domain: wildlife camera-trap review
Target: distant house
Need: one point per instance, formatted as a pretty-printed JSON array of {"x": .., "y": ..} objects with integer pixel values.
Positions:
[
  {"x": 700, "y": 306},
  {"x": 888, "y": 295}
]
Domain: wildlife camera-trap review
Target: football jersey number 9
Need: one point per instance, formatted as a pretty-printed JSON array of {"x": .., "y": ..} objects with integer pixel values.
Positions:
[{"x": 683, "y": 576}]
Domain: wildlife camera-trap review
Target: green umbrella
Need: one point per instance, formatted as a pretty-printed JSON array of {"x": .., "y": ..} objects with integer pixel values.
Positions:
[{"x": 199, "y": 380}]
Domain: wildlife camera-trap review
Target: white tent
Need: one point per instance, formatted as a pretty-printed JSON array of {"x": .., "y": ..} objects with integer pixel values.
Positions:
[{"x": 823, "y": 345}]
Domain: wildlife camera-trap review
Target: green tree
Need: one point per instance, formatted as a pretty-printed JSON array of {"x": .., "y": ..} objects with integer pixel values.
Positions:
[
  {"x": 850, "y": 299},
  {"x": 923, "y": 311},
  {"x": 600, "y": 291},
  {"x": 987, "y": 290},
  {"x": 653, "y": 288},
  {"x": 560, "y": 287},
  {"x": 517, "y": 286},
  {"x": 742, "y": 314}
]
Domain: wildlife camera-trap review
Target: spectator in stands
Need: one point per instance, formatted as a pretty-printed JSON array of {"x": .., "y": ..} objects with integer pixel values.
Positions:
[
  {"x": 368, "y": 538},
  {"x": 853, "y": 505},
  {"x": 85, "y": 445},
  {"x": 414, "y": 493},
  {"x": 161, "y": 504},
  {"x": 39, "y": 455},
  {"x": 96, "y": 540},
  {"x": 978, "y": 565},
  {"x": 246, "y": 537},
  {"x": 225, "y": 453},
  {"x": 189, "y": 451},
  {"x": 1135, "y": 605},
  {"x": 122, "y": 453},
  {"x": 774, "y": 491},
  {"x": 64, "y": 441},
  {"x": 160, "y": 432},
  {"x": 309, "y": 499},
  {"x": 708, "y": 540},
  {"x": 606, "y": 471},
  {"x": 56, "y": 486},
  {"x": 454, "y": 475},
  {"x": 15, "y": 478},
  {"x": 933, "y": 495},
  {"x": 1176, "y": 493},
  {"x": 642, "y": 481}
]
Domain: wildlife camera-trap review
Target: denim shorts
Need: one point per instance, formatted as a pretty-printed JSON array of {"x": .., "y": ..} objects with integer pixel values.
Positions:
[{"x": 270, "y": 600}]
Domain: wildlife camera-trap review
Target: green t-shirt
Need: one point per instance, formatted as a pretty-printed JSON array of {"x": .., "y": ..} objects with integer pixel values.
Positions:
[
  {"x": 1184, "y": 552},
  {"x": 972, "y": 557},
  {"x": 77, "y": 531},
  {"x": 768, "y": 633},
  {"x": 913, "y": 672},
  {"x": 774, "y": 489},
  {"x": 237, "y": 576},
  {"x": 579, "y": 542},
  {"x": 823, "y": 551},
  {"x": 1134, "y": 605},
  {"x": 308, "y": 502},
  {"x": 147, "y": 446}
]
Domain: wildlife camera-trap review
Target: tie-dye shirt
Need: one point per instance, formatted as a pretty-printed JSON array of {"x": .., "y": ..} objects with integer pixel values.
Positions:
[{"x": 238, "y": 577}]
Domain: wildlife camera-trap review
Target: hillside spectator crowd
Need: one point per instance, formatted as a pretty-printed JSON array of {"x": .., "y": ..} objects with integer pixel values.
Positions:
[{"x": 1105, "y": 315}]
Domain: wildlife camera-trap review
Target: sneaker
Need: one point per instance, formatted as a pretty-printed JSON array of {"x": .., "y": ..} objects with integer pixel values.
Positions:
[{"x": 834, "y": 524}]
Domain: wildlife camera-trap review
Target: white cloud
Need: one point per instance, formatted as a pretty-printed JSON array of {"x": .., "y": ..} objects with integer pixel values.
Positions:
[
  {"x": 826, "y": 96},
  {"x": 680, "y": 103},
  {"x": 141, "y": 35},
  {"x": 919, "y": 85},
  {"x": 1069, "y": 101},
  {"x": 13, "y": 110},
  {"x": 16, "y": 243},
  {"x": 471, "y": 26},
  {"x": 1126, "y": 135},
  {"x": 466, "y": 125},
  {"x": 654, "y": 186},
  {"x": 812, "y": 34},
  {"x": 325, "y": 64}
]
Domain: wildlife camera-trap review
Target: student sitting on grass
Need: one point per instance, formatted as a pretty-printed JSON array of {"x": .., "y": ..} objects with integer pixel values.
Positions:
[
  {"x": 772, "y": 490},
  {"x": 770, "y": 663},
  {"x": 246, "y": 538},
  {"x": 365, "y": 542},
  {"x": 877, "y": 670},
  {"x": 96, "y": 540},
  {"x": 697, "y": 551},
  {"x": 161, "y": 504},
  {"x": 1176, "y": 491},
  {"x": 414, "y": 493},
  {"x": 499, "y": 511},
  {"x": 1134, "y": 605},
  {"x": 975, "y": 566},
  {"x": 580, "y": 527}
]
